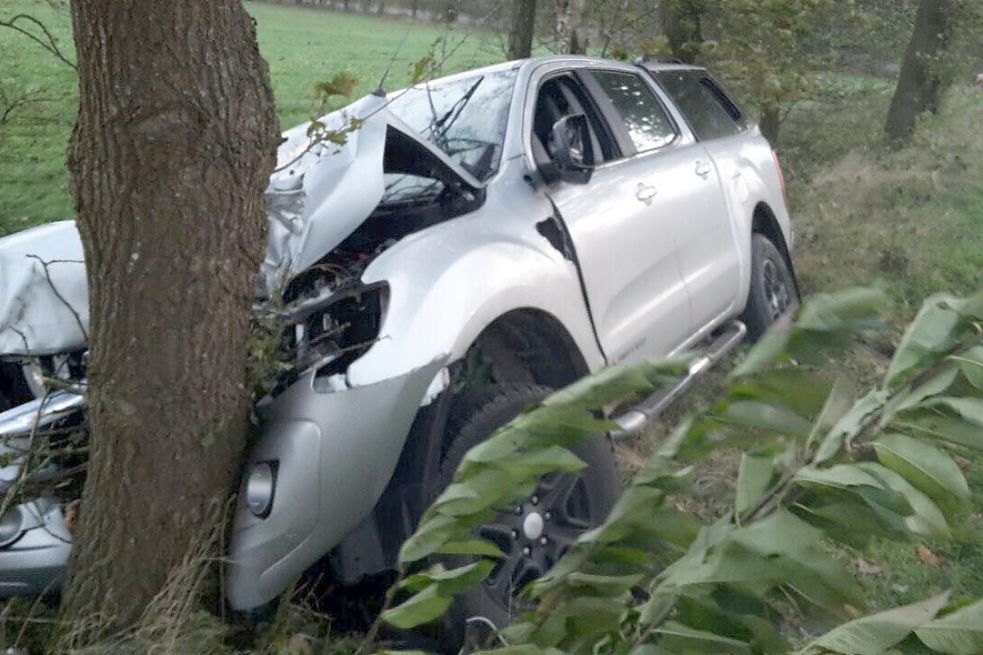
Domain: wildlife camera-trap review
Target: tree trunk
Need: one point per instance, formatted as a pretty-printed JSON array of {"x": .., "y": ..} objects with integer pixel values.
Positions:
[
  {"x": 771, "y": 124},
  {"x": 682, "y": 24},
  {"x": 569, "y": 14},
  {"x": 523, "y": 29},
  {"x": 173, "y": 148},
  {"x": 921, "y": 83}
]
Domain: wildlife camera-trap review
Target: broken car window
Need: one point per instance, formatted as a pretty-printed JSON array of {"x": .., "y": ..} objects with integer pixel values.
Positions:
[{"x": 465, "y": 117}]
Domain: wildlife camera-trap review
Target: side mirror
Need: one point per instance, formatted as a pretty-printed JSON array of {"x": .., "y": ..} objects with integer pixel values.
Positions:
[{"x": 571, "y": 149}]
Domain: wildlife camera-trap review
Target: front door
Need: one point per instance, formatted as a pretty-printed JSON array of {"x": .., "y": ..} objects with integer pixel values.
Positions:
[{"x": 624, "y": 221}]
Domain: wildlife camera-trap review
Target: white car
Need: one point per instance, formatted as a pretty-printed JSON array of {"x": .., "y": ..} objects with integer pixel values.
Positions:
[{"x": 479, "y": 241}]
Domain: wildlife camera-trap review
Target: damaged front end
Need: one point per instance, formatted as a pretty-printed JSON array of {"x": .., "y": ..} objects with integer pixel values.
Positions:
[{"x": 325, "y": 447}]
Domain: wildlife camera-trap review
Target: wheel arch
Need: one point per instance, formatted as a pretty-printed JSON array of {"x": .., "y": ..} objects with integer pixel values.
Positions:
[
  {"x": 765, "y": 222},
  {"x": 525, "y": 344}
]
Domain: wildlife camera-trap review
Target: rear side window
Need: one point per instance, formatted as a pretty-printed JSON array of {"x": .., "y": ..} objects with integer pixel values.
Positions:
[
  {"x": 708, "y": 110},
  {"x": 646, "y": 122}
]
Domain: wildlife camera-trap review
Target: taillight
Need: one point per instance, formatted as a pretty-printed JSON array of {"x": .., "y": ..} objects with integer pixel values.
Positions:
[{"x": 781, "y": 175}]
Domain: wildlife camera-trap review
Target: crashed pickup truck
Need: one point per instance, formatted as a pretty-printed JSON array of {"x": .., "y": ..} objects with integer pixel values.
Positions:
[{"x": 476, "y": 242}]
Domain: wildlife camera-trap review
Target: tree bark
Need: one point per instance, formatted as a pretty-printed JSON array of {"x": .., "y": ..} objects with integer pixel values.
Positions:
[
  {"x": 569, "y": 14},
  {"x": 174, "y": 144},
  {"x": 921, "y": 83},
  {"x": 523, "y": 29},
  {"x": 682, "y": 24},
  {"x": 771, "y": 124}
]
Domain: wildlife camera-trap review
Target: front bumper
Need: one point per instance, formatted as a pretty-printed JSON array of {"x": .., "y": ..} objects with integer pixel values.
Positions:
[
  {"x": 334, "y": 453},
  {"x": 35, "y": 562}
]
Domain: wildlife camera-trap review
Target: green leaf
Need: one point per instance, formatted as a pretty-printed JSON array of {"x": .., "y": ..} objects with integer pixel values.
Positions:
[
  {"x": 602, "y": 585},
  {"x": 849, "y": 425},
  {"x": 971, "y": 365},
  {"x": 959, "y": 633},
  {"x": 471, "y": 547},
  {"x": 930, "y": 423},
  {"x": 875, "y": 634},
  {"x": 927, "y": 520},
  {"x": 752, "y": 481},
  {"x": 419, "y": 609},
  {"x": 450, "y": 582},
  {"x": 924, "y": 466},
  {"x": 936, "y": 329},
  {"x": 678, "y": 638},
  {"x": 838, "y": 402},
  {"x": 763, "y": 416}
]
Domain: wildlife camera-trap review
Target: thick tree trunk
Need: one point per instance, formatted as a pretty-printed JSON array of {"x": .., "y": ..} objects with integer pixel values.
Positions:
[
  {"x": 523, "y": 29},
  {"x": 569, "y": 35},
  {"x": 173, "y": 148},
  {"x": 921, "y": 83},
  {"x": 682, "y": 24}
]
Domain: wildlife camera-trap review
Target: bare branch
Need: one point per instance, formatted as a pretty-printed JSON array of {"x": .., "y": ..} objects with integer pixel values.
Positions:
[{"x": 48, "y": 42}]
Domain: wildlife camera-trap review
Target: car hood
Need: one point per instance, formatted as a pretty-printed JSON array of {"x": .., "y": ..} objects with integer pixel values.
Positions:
[{"x": 320, "y": 192}]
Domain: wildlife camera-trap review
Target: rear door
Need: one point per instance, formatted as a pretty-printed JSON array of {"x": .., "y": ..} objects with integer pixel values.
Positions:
[
  {"x": 709, "y": 246},
  {"x": 624, "y": 221}
]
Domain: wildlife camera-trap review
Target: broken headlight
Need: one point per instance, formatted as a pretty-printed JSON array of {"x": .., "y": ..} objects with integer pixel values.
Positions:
[{"x": 330, "y": 333}]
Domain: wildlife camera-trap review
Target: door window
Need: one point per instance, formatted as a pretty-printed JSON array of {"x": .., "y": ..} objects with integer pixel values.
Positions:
[
  {"x": 648, "y": 125},
  {"x": 563, "y": 96},
  {"x": 709, "y": 111}
]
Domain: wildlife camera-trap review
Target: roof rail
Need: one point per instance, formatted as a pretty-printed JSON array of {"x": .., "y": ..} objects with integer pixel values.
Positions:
[{"x": 655, "y": 59}]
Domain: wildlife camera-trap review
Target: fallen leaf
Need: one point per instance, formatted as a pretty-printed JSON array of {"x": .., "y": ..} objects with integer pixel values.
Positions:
[
  {"x": 866, "y": 568},
  {"x": 928, "y": 557}
]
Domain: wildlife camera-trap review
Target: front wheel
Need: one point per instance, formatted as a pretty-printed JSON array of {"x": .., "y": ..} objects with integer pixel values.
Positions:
[
  {"x": 537, "y": 531},
  {"x": 773, "y": 292}
]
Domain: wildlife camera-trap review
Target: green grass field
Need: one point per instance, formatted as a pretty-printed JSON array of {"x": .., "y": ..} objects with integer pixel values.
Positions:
[{"x": 302, "y": 46}]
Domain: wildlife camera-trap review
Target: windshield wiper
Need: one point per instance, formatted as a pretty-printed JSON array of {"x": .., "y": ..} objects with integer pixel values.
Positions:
[{"x": 440, "y": 126}]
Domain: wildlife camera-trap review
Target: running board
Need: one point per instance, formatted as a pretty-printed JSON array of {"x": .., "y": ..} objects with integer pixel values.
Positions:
[{"x": 641, "y": 415}]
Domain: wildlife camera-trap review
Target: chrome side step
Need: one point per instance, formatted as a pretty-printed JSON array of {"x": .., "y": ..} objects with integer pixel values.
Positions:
[{"x": 637, "y": 418}]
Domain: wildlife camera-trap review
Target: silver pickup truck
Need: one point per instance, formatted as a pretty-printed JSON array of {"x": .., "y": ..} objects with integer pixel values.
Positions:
[{"x": 477, "y": 242}]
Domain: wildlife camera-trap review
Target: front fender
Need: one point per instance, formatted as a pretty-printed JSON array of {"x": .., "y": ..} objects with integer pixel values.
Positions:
[{"x": 449, "y": 283}]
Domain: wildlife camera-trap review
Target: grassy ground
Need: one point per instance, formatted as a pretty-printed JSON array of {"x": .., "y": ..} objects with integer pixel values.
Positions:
[{"x": 302, "y": 45}]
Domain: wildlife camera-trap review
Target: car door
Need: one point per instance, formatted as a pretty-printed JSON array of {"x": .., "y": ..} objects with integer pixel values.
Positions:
[
  {"x": 709, "y": 248},
  {"x": 627, "y": 255}
]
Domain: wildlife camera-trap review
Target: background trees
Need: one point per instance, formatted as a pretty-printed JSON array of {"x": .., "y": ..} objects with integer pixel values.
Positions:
[{"x": 173, "y": 148}]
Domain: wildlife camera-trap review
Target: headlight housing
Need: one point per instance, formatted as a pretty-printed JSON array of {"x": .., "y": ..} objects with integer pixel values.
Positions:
[
  {"x": 261, "y": 488},
  {"x": 330, "y": 333}
]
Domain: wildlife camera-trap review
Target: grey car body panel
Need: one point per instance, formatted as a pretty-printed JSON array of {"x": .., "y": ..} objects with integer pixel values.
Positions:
[
  {"x": 336, "y": 451},
  {"x": 33, "y": 318},
  {"x": 336, "y": 441}
]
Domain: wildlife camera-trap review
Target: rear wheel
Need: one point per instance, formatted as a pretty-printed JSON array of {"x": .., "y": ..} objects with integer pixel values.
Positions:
[
  {"x": 537, "y": 531},
  {"x": 773, "y": 292}
]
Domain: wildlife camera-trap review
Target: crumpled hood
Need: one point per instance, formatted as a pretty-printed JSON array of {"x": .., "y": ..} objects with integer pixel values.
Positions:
[
  {"x": 318, "y": 195},
  {"x": 34, "y": 312}
]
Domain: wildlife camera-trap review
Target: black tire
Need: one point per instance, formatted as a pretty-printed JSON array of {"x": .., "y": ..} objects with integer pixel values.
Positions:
[
  {"x": 588, "y": 497},
  {"x": 773, "y": 292}
]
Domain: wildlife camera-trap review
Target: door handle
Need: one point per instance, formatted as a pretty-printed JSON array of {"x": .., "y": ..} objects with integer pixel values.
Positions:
[
  {"x": 645, "y": 192},
  {"x": 703, "y": 169}
]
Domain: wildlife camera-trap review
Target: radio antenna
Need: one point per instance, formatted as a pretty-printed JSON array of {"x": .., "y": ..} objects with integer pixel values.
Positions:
[{"x": 381, "y": 90}]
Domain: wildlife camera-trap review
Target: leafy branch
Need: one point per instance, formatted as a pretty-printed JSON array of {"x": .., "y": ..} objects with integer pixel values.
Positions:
[{"x": 821, "y": 465}]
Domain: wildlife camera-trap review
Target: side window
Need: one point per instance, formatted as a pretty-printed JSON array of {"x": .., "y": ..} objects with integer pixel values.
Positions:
[
  {"x": 560, "y": 97},
  {"x": 647, "y": 123},
  {"x": 709, "y": 111}
]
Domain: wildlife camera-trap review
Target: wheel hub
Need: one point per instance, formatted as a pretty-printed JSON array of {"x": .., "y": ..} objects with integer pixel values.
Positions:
[{"x": 532, "y": 526}]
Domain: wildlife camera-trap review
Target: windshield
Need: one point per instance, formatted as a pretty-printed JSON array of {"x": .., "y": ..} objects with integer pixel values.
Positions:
[{"x": 466, "y": 117}]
